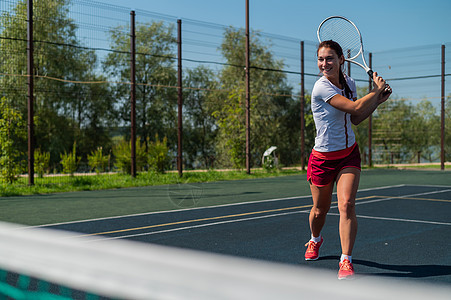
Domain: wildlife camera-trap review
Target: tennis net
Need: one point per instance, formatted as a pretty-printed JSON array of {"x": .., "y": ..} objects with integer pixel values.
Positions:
[{"x": 39, "y": 263}]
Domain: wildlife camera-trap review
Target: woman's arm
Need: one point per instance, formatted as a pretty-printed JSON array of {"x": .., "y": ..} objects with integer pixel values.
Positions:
[
  {"x": 383, "y": 96},
  {"x": 361, "y": 108}
]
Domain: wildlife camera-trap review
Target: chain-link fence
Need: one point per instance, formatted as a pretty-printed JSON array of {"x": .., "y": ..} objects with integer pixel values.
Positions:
[{"x": 82, "y": 75}]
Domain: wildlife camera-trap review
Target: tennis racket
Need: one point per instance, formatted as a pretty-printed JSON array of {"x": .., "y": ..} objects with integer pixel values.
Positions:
[{"x": 344, "y": 32}]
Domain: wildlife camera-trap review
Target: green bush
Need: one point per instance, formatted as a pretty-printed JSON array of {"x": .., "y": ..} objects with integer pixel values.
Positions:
[
  {"x": 98, "y": 161},
  {"x": 159, "y": 159},
  {"x": 12, "y": 133},
  {"x": 70, "y": 161},
  {"x": 122, "y": 154},
  {"x": 41, "y": 162}
]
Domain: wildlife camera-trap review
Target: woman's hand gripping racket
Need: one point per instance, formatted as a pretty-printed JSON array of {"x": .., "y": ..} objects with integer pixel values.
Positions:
[{"x": 344, "y": 32}]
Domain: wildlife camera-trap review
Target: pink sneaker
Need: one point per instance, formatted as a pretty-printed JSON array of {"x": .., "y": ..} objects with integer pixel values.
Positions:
[
  {"x": 346, "y": 270},
  {"x": 312, "y": 252}
]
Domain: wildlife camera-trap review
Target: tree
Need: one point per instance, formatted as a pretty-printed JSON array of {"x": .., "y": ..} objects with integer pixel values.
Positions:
[
  {"x": 361, "y": 130},
  {"x": 96, "y": 114},
  {"x": 66, "y": 110},
  {"x": 402, "y": 131},
  {"x": 290, "y": 130},
  {"x": 269, "y": 105},
  {"x": 155, "y": 74},
  {"x": 12, "y": 132},
  {"x": 199, "y": 126},
  {"x": 388, "y": 128},
  {"x": 422, "y": 137}
]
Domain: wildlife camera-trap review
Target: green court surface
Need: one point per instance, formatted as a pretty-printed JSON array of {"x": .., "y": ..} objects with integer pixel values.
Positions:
[
  {"x": 404, "y": 229},
  {"x": 63, "y": 207},
  {"x": 403, "y": 239}
]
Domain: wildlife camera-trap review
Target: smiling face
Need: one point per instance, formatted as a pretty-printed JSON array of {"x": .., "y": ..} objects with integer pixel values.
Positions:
[{"x": 329, "y": 63}]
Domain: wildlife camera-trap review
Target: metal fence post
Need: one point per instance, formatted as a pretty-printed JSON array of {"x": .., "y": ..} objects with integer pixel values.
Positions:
[
  {"x": 30, "y": 68},
  {"x": 133, "y": 93},
  {"x": 179, "y": 100},
  {"x": 248, "y": 121},
  {"x": 370, "y": 119},
  {"x": 442, "y": 135}
]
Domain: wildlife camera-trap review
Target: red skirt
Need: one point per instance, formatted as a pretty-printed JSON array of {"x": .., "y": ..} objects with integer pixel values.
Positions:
[{"x": 321, "y": 171}]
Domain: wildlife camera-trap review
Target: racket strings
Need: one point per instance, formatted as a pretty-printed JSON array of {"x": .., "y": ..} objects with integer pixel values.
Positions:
[{"x": 342, "y": 32}]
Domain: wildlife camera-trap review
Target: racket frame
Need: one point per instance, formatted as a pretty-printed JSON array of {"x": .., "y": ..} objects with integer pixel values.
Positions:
[{"x": 360, "y": 52}]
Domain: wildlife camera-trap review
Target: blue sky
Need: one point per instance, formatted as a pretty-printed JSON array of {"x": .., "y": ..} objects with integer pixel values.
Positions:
[{"x": 385, "y": 24}]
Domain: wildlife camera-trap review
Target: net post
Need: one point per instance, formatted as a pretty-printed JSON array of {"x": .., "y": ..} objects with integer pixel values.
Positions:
[
  {"x": 30, "y": 102},
  {"x": 179, "y": 99},
  {"x": 248, "y": 131},
  {"x": 442, "y": 126},
  {"x": 370, "y": 118},
  {"x": 133, "y": 94},
  {"x": 302, "y": 109}
]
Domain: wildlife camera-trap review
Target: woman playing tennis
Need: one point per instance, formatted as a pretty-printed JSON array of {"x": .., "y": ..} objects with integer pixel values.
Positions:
[{"x": 335, "y": 156}]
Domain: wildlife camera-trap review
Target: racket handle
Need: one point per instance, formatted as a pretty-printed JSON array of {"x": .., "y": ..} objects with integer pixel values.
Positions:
[{"x": 370, "y": 73}]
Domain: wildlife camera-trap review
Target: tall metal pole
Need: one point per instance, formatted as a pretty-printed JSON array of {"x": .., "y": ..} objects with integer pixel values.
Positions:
[
  {"x": 442, "y": 138},
  {"x": 179, "y": 100},
  {"x": 248, "y": 131},
  {"x": 30, "y": 67},
  {"x": 370, "y": 120},
  {"x": 302, "y": 109},
  {"x": 133, "y": 93}
]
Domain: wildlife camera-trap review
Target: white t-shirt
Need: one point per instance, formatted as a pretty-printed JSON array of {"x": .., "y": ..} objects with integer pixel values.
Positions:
[{"x": 333, "y": 126}]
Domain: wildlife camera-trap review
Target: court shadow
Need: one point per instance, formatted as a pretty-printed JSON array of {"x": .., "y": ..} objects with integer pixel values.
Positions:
[
  {"x": 329, "y": 257},
  {"x": 406, "y": 271},
  {"x": 401, "y": 271}
]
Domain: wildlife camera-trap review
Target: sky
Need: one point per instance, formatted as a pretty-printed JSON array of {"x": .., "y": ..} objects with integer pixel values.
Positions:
[{"x": 384, "y": 24}]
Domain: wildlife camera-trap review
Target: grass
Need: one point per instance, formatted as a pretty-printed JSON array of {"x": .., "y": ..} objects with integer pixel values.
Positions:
[
  {"x": 60, "y": 184},
  {"x": 89, "y": 182},
  {"x": 51, "y": 184}
]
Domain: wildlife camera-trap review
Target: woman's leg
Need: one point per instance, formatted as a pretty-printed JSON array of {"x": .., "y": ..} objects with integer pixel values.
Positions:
[
  {"x": 322, "y": 197},
  {"x": 321, "y": 203},
  {"x": 347, "y": 186}
]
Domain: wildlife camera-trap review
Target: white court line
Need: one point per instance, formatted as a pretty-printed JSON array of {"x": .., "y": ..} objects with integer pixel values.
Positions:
[
  {"x": 290, "y": 213},
  {"x": 199, "y": 208},
  {"x": 428, "y": 185},
  {"x": 195, "y": 226},
  {"x": 399, "y": 220},
  {"x": 400, "y": 197},
  {"x": 245, "y": 203}
]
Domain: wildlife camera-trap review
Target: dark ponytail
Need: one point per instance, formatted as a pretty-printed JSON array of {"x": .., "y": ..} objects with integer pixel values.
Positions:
[
  {"x": 337, "y": 48},
  {"x": 344, "y": 84}
]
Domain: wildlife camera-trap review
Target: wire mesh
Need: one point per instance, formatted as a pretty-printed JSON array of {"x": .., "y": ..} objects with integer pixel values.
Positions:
[{"x": 82, "y": 91}]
